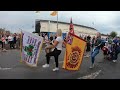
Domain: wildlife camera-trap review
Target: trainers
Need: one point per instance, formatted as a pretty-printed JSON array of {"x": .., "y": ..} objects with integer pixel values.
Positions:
[
  {"x": 88, "y": 56},
  {"x": 55, "y": 69},
  {"x": 4, "y": 50},
  {"x": 92, "y": 66},
  {"x": 45, "y": 66},
  {"x": 114, "y": 60}
]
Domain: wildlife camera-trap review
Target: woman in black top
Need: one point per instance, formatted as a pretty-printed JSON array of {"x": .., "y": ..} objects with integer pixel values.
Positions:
[
  {"x": 96, "y": 49},
  {"x": 14, "y": 41}
]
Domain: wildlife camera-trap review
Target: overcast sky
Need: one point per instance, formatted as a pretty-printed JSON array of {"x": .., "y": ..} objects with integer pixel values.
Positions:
[{"x": 103, "y": 21}]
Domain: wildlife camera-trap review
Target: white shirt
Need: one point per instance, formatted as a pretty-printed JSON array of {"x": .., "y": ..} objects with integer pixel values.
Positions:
[
  {"x": 10, "y": 38},
  {"x": 59, "y": 46},
  {"x": 46, "y": 37}
]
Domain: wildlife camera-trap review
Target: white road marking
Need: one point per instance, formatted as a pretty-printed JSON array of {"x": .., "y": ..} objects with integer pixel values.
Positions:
[
  {"x": 91, "y": 76},
  {"x": 4, "y": 68}
]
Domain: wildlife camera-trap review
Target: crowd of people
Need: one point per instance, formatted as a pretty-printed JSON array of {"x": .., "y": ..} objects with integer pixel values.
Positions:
[
  {"x": 109, "y": 46},
  {"x": 11, "y": 41}
]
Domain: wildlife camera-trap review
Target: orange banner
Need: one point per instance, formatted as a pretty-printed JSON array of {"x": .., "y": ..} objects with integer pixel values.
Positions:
[{"x": 74, "y": 53}]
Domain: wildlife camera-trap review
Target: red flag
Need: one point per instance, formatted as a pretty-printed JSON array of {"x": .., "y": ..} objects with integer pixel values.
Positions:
[{"x": 71, "y": 29}]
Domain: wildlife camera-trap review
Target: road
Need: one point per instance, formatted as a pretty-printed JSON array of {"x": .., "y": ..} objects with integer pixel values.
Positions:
[{"x": 12, "y": 68}]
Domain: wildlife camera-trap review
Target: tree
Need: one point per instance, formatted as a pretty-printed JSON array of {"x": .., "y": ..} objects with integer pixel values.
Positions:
[
  {"x": 113, "y": 34},
  {"x": 4, "y": 31}
]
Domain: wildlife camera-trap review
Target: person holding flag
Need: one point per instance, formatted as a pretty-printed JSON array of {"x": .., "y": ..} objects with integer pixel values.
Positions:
[{"x": 75, "y": 47}]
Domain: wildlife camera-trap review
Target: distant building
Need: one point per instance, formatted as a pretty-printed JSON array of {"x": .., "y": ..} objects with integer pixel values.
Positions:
[
  {"x": 51, "y": 26},
  {"x": 104, "y": 36}
]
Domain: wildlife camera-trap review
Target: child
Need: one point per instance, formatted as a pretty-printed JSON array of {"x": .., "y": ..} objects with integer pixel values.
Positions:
[
  {"x": 50, "y": 43},
  {"x": 105, "y": 51},
  {"x": 109, "y": 51}
]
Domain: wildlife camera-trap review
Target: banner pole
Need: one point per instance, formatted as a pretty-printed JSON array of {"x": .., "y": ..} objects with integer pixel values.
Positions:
[{"x": 57, "y": 20}]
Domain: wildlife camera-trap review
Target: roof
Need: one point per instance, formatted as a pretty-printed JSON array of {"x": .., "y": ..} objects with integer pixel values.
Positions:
[
  {"x": 66, "y": 23},
  {"x": 105, "y": 35}
]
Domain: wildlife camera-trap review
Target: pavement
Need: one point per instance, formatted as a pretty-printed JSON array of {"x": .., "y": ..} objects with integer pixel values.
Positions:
[{"x": 12, "y": 68}]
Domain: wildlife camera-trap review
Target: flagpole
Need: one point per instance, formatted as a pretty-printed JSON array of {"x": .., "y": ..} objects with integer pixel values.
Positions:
[{"x": 57, "y": 20}]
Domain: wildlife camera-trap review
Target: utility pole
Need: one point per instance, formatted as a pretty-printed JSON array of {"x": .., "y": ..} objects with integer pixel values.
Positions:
[{"x": 57, "y": 20}]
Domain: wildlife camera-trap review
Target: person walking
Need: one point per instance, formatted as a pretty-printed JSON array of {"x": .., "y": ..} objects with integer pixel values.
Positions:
[
  {"x": 88, "y": 48},
  {"x": 96, "y": 49},
  {"x": 3, "y": 42},
  {"x": 14, "y": 40},
  {"x": 10, "y": 39}
]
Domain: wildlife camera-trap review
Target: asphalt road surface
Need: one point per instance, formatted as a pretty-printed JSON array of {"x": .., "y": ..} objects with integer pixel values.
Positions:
[{"x": 12, "y": 68}]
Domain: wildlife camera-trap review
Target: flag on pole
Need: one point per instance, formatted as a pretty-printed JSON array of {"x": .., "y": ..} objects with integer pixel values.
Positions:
[
  {"x": 74, "y": 53},
  {"x": 31, "y": 47},
  {"x": 54, "y": 13},
  {"x": 37, "y": 11},
  {"x": 71, "y": 29}
]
